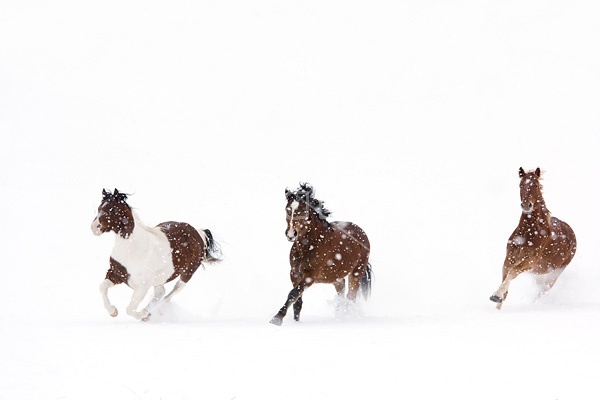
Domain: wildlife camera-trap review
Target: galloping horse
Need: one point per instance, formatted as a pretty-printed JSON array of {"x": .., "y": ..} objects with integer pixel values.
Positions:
[
  {"x": 541, "y": 244},
  {"x": 322, "y": 251},
  {"x": 144, "y": 257}
]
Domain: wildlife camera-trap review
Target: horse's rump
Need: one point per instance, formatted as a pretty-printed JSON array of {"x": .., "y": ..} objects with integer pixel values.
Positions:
[
  {"x": 187, "y": 246},
  {"x": 349, "y": 231}
]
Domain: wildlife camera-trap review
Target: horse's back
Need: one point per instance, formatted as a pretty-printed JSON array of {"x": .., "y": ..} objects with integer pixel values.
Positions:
[{"x": 352, "y": 235}]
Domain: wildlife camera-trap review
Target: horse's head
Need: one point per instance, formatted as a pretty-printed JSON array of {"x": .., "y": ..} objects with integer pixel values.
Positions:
[
  {"x": 114, "y": 214},
  {"x": 300, "y": 208},
  {"x": 531, "y": 190}
]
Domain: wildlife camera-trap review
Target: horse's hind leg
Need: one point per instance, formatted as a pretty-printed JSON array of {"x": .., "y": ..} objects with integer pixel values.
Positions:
[
  {"x": 341, "y": 305},
  {"x": 547, "y": 281},
  {"x": 340, "y": 286},
  {"x": 176, "y": 289},
  {"x": 136, "y": 299},
  {"x": 354, "y": 282},
  {"x": 159, "y": 292},
  {"x": 104, "y": 286}
]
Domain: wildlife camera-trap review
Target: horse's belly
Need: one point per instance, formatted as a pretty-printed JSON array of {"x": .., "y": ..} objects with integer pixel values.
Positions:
[
  {"x": 147, "y": 266},
  {"x": 149, "y": 274}
]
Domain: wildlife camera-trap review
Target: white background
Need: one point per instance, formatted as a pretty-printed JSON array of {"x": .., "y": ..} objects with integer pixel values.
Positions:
[{"x": 410, "y": 118}]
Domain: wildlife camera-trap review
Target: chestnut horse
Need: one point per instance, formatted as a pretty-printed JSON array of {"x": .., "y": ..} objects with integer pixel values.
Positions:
[
  {"x": 541, "y": 244},
  {"x": 144, "y": 257},
  {"x": 322, "y": 251}
]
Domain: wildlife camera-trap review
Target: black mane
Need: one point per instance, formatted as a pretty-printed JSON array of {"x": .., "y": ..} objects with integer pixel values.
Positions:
[
  {"x": 117, "y": 196},
  {"x": 305, "y": 193}
]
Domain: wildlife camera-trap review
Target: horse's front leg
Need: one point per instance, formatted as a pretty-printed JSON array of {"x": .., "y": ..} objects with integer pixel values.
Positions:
[
  {"x": 297, "y": 308},
  {"x": 294, "y": 295},
  {"x": 500, "y": 294},
  {"x": 104, "y": 286},
  {"x": 136, "y": 299}
]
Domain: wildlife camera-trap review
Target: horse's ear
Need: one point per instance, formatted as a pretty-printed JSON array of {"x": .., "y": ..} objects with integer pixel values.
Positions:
[
  {"x": 288, "y": 194},
  {"x": 106, "y": 195},
  {"x": 538, "y": 172},
  {"x": 308, "y": 188},
  {"x": 521, "y": 172},
  {"x": 116, "y": 193}
]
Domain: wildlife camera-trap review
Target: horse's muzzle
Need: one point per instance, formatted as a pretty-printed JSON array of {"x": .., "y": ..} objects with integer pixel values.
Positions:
[
  {"x": 292, "y": 237},
  {"x": 96, "y": 228},
  {"x": 527, "y": 207}
]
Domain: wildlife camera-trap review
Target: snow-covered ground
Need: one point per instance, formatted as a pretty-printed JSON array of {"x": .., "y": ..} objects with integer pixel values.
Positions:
[{"x": 410, "y": 118}]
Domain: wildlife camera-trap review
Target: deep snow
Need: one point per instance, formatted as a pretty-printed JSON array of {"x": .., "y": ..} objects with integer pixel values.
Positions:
[{"x": 409, "y": 118}]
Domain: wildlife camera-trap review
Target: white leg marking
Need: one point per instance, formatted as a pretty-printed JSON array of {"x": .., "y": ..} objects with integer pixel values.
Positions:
[
  {"x": 503, "y": 288},
  {"x": 136, "y": 299},
  {"x": 104, "y": 286},
  {"x": 547, "y": 281},
  {"x": 159, "y": 292},
  {"x": 176, "y": 289}
]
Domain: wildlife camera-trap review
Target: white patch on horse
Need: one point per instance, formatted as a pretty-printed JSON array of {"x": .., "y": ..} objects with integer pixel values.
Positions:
[
  {"x": 146, "y": 254},
  {"x": 293, "y": 207}
]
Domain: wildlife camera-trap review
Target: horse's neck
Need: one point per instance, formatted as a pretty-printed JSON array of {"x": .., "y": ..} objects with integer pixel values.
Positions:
[
  {"x": 538, "y": 219},
  {"x": 140, "y": 231},
  {"x": 318, "y": 227}
]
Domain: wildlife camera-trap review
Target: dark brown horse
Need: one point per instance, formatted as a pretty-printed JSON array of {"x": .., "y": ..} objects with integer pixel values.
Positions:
[
  {"x": 323, "y": 252},
  {"x": 541, "y": 244},
  {"x": 144, "y": 257}
]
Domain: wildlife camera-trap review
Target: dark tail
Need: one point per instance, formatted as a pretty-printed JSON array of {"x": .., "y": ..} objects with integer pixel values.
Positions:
[
  {"x": 213, "y": 250},
  {"x": 366, "y": 282}
]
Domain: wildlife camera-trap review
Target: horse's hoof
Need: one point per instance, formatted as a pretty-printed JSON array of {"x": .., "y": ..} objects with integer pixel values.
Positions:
[
  {"x": 114, "y": 313},
  {"x": 276, "y": 321},
  {"x": 496, "y": 299},
  {"x": 146, "y": 318}
]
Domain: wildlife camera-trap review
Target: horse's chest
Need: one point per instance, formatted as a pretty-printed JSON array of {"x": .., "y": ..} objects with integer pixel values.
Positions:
[{"x": 534, "y": 240}]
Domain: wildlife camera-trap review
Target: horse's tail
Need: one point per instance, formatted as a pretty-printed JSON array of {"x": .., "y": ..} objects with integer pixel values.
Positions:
[
  {"x": 367, "y": 281},
  {"x": 212, "y": 252}
]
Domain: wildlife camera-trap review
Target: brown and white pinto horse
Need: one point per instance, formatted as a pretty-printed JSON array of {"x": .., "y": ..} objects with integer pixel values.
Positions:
[
  {"x": 323, "y": 252},
  {"x": 541, "y": 244},
  {"x": 144, "y": 257}
]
